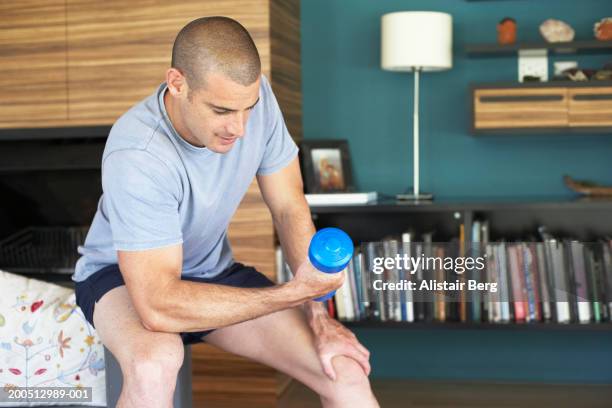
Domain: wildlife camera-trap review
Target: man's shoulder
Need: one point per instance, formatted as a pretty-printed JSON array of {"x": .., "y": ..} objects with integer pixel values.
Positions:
[
  {"x": 135, "y": 128},
  {"x": 142, "y": 128}
]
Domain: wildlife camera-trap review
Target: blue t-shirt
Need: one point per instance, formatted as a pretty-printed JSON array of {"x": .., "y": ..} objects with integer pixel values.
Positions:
[{"x": 160, "y": 190}]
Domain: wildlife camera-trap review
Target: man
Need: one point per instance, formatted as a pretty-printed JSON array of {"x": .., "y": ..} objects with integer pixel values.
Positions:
[{"x": 156, "y": 270}]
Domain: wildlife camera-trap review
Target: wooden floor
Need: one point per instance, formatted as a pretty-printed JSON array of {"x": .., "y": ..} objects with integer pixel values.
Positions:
[
  {"x": 401, "y": 393},
  {"x": 223, "y": 380}
]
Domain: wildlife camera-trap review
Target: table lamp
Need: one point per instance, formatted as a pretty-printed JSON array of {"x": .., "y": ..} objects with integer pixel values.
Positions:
[{"x": 415, "y": 41}]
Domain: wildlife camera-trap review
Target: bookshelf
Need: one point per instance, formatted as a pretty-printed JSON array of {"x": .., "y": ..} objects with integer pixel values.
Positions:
[
  {"x": 372, "y": 324},
  {"x": 583, "y": 217},
  {"x": 509, "y": 218}
]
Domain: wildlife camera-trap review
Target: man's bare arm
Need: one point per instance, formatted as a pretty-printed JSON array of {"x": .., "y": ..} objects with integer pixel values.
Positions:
[
  {"x": 166, "y": 303},
  {"x": 283, "y": 193},
  {"x": 292, "y": 220}
]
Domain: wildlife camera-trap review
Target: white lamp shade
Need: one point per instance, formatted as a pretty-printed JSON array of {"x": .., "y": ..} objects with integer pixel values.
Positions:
[{"x": 411, "y": 39}]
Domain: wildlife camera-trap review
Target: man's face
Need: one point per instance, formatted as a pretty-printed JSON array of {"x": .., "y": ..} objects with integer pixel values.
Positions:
[{"x": 216, "y": 115}]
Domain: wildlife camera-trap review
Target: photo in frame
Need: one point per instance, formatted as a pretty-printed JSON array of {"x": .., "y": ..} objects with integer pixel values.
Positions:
[{"x": 326, "y": 166}]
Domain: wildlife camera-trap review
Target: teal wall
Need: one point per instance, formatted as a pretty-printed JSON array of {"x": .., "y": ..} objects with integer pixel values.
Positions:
[
  {"x": 527, "y": 355},
  {"x": 348, "y": 96}
]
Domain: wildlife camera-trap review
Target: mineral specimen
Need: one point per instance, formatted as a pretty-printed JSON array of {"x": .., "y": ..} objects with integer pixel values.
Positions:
[
  {"x": 603, "y": 29},
  {"x": 556, "y": 31},
  {"x": 506, "y": 31}
]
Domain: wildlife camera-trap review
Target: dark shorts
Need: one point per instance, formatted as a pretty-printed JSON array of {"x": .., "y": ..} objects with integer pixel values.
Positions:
[{"x": 91, "y": 290}]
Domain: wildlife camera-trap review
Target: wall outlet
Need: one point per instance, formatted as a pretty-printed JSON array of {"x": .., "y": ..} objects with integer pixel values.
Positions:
[{"x": 533, "y": 63}]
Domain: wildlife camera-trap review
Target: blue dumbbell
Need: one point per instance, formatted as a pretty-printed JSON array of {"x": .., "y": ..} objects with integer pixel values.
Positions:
[{"x": 330, "y": 251}]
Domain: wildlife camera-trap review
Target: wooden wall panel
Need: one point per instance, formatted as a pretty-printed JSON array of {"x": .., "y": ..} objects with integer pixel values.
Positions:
[
  {"x": 32, "y": 62},
  {"x": 251, "y": 233},
  {"x": 118, "y": 51},
  {"x": 286, "y": 62},
  {"x": 222, "y": 380}
]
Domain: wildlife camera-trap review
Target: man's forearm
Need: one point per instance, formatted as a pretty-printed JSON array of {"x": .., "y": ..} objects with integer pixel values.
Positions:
[
  {"x": 186, "y": 306},
  {"x": 295, "y": 229},
  {"x": 195, "y": 306}
]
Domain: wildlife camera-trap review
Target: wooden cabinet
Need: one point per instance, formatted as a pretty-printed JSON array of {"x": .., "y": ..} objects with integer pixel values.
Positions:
[
  {"x": 33, "y": 77},
  {"x": 520, "y": 108},
  {"x": 590, "y": 106},
  {"x": 543, "y": 107}
]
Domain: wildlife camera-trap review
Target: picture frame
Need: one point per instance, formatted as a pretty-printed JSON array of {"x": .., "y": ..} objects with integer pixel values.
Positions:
[{"x": 326, "y": 166}]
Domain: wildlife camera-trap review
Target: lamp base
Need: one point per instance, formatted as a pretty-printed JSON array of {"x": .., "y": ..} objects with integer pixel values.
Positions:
[{"x": 414, "y": 197}]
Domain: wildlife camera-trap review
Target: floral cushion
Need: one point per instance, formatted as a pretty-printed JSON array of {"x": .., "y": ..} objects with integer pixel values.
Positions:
[{"x": 45, "y": 341}]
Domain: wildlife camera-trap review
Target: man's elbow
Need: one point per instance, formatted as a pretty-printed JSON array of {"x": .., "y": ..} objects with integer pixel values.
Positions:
[
  {"x": 153, "y": 321},
  {"x": 158, "y": 318},
  {"x": 153, "y": 318},
  {"x": 155, "y": 309}
]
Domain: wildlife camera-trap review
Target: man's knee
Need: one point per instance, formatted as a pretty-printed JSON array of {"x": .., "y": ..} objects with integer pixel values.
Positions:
[
  {"x": 351, "y": 383},
  {"x": 155, "y": 362},
  {"x": 349, "y": 373}
]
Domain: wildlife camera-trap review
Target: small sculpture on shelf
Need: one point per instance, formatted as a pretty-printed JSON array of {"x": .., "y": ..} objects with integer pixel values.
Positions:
[
  {"x": 579, "y": 74},
  {"x": 603, "y": 29},
  {"x": 587, "y": 187},
  {"x": 604, "y": 74},
  {"x": 561, "y": 66},
  {"x": 506, "y": 31},
  {"x": 556, "y": 31},
  {"x": 574, "y": 73}
]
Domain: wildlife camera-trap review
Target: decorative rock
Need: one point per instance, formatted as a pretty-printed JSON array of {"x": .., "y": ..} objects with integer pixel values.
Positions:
[
  {"x": 603, "y": 29},
  {"x": 556, "y": 31},
  {"x": 603, "y": 75},
  {"x": 506, "y": 31}
]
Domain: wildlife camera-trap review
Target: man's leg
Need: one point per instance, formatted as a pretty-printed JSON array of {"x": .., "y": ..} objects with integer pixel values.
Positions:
[
  {"x": 149, "y": 361},
  {"x": 284, "y": 341}
]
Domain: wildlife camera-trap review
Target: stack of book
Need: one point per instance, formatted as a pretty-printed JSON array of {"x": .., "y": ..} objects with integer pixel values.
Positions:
[{"x": 552, "y": 280}]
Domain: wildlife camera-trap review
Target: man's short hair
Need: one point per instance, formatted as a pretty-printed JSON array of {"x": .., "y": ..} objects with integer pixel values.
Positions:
[{"x": 215, "y": 44}]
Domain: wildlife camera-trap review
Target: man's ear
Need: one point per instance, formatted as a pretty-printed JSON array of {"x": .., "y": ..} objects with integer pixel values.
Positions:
[{"x": 177, "y": 85}]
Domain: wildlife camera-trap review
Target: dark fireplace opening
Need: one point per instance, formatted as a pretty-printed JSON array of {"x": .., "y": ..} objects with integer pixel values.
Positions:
[{"x": 49, "y": 192}]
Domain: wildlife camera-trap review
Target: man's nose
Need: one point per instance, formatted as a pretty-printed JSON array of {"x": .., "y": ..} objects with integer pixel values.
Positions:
[{"x": 237, "y": 125}]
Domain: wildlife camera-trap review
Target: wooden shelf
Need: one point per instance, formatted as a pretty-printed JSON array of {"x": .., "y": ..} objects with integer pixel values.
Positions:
[
  {"x": 598, "y": 130},
  {"x": 367, "y": 324},
  {"x": 572, "y": 47},
  {"x": 511, "y": 218},
  {"x": 535, "y": 84},
  {"x": 472, "y": 204}
]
